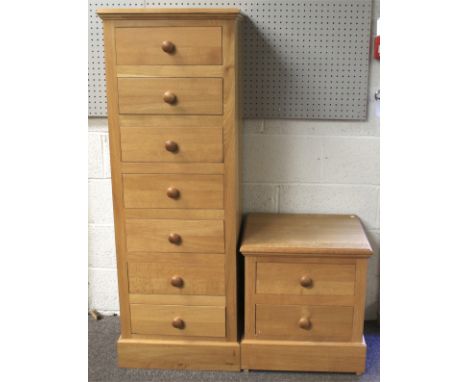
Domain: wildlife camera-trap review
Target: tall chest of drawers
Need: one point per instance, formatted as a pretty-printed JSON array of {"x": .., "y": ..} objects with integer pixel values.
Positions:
[{"x": 174, "y": 125}]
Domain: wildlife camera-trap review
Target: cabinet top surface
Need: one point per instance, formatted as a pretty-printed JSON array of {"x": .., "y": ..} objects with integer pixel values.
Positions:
[
  {"x": 150, "y": 13},
  {"x": 304, "y": 234}
]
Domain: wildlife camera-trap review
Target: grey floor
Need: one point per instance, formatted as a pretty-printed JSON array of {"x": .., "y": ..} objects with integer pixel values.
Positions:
[{"x": 102, "y": 363}]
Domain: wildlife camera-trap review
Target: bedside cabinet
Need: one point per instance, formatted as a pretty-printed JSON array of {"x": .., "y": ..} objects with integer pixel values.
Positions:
[
  {"x": 174, "y": 125},
  {"x": 305, "y": 287}
]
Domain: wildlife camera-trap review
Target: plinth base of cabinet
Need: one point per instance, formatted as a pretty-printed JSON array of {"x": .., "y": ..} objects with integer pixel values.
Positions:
[
  {"x": 303, "y": 356},
  {"x": 172, "y": 354}
]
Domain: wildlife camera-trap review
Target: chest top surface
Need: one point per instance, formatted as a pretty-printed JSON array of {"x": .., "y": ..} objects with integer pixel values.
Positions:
[
  {"x": 157, "y": 13},
  {"x": 305, "y": 234}
]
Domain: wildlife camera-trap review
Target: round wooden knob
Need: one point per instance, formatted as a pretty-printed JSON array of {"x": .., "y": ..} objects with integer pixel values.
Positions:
[
  {"x": 168, "y": 46},
  {"x": 177, "y": 281},
  {"x": 171, "y": 146},
  {"x": 169, "y": 98},
  {"x": 304, "y": 323},
  {"x": 173, "y": 193},
  {"x": 175, "y": 238},
  {"x": 178, "y": 323},
  {"x": 306, "y": 281}
]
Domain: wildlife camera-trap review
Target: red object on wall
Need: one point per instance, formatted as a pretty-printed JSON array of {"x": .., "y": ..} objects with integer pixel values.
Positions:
[{"x": 377, "y": 47}]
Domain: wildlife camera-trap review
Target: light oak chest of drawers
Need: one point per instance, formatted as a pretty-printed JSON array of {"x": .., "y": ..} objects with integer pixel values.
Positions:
[
  {"x": 305, "y": 287},
  {"x": 174, "y": 125}
]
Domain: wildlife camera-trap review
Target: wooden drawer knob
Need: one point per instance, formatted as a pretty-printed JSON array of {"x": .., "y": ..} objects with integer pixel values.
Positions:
[
  {"x": 169, "y": 98},
  {"x": 168, "y": 46},
  {"x": 175, "y": 238},
  {"x": 177, "y": 281},
  {"x": 304, "y": 323},
  {"x": 171, "y": 146},
  {"x": 178, "y": 323},
  {"x": 173, "y": 193},
  {"x": 306, "y": 281}
]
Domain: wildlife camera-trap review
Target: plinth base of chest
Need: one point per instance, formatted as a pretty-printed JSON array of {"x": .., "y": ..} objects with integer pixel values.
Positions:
[
  {"x": 175, "y": 354},
  {"x": 303, "y": 356}
]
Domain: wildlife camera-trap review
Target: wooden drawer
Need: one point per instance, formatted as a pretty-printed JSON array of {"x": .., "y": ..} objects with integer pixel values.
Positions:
[
  {"x": 173, "y": 191},
  {"x": 191, "y": 46},
  {"x": 313, "y": 323},
  {"x": 181, "y": 274},
  {"x": 192, "y": 95},
  {"x": 152, "y": 235},
  {"x": 177, "y": 144},
  {"x": 318, "y": 279},
  {"x": 208, "y": 321}
]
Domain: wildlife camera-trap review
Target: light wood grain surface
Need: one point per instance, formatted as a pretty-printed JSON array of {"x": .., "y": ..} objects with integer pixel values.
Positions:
[
  {"x": 115, "y": 150},
  {"x": 202, "y": 274},
  {"x": 168, "y": 13},
  {"x": 208, "y": 321},
  {"x": 289, "y": 233},
  {"x": 232, "y": 124},
  {"x": 304, "y": 356},
  {"x": 284, "y": 278},
  {"x": 193, "y": 95},
  {"x": 197, "y": 235},
  {"x": 192, "y": 46},
  {"x": 175, "y": 122},
  {"x": 170, "y": 121},
  {"x": 360, "y": 306},
  {"x": 165, "y": 213},
  {"x": 304, "y": 292},
  {"x": 181, "y": 299},
  {"x": 195, "y": 191},
  {"x": 172, "y": 168},
  {"x": 170, "y": 71},
  {"x": 327, "y": 323},
  {"x": 179, "y": 354},
  {"x": 195, "y": 144}
]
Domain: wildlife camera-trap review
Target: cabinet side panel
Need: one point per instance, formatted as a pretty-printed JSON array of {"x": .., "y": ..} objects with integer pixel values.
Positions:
[
  {"x": 249, "y": 303},
  {"x": 231, "y": 173},
  {"x": 360, "y": 298},
  {"x": 114, "y": 142}
]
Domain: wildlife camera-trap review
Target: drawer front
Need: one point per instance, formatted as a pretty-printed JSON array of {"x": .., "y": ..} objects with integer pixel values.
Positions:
[
  {"x": 177, "y": 144},
  {"x": 178, "y": 320},
  {"x": 169, "y": 46},
  {"x": 170, "y": 95},
  {"x": 181, "y": 274},
  {"x": 315, "y": 323},
  {"x": 154, "y": 235},
  {"x": 173, "y": 191},
  {"x": 305, "y": 279}
]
